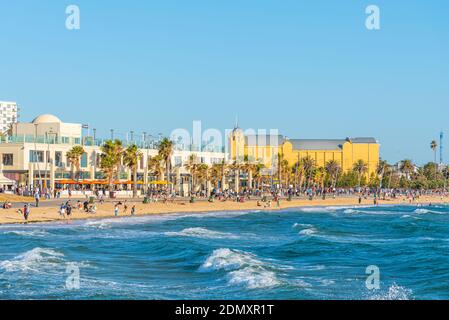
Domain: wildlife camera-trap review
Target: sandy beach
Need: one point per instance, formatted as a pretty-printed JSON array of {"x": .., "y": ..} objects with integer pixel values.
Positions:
[{"x": 106, "y": 210}]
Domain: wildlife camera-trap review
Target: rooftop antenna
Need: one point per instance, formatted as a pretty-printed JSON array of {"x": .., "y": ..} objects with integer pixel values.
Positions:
[
  {"x": 441, "y": 146},
  {"x": 236, "y": 122}
]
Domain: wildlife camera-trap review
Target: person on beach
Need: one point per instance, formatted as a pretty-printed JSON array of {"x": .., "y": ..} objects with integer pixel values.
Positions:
[
  {"x": 26, "y": 212},
  {"x": 125, "y": 207},
  {"x": 36, "y": 198},
  {"x": 62, "y": 210},
  {"x": 68, "y": 211},
  {"x": 116, "y": 210},
  {"x": 133, "y": 210}
]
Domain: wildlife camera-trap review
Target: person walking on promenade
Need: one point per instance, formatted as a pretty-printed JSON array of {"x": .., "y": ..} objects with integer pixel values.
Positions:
[{"x": 37, "y": 197}]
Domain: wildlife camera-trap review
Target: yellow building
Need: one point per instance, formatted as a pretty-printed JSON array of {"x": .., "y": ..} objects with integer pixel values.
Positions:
[{"x": 266, "y": 148}]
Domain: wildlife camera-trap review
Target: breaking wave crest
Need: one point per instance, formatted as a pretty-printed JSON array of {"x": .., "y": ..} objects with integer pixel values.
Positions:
[
  {"x": 202, "y": 233},
  {"x": 244, "y": 268},
  {"x": 394, "y": 292},
  {"x": 36, "y": 260}
]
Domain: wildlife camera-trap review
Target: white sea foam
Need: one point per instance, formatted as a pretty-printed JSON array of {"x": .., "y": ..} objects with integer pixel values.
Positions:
[
  {"x": 426, "y": 211},
  {"x": 228, "y": 259},
  {"x": 244, "y": 268},
  {"x": 394, "y": 292},
  {"x": 33, "y": 260},
  {"x": 302, "y": 225},
  {"x": 28, "y": 233},
  {"x": 202, "y": 233},
  {"x": 253, "y": 277},
  {"x": 308, "y": 232}
]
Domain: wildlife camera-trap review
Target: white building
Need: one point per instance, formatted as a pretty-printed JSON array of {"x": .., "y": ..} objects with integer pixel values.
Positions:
[
  {"x": 8, "y": 115},
  {"x": 35, "y": 154}
]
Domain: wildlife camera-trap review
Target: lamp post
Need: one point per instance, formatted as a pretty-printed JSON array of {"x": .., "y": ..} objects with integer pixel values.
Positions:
[
  {"x": 36, "y": 157},
  {"x": 48, "y": 159}
]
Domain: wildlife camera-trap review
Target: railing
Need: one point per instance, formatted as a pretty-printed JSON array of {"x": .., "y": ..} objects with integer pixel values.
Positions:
[{"x": 90, "y": 142}]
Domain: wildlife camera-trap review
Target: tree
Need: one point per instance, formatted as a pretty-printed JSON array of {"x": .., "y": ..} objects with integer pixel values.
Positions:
[
  {"x": 433, "y": 146},
  {"x": 333, "y": 169},
  {"x": 165, "y": 150},
  {"x": 192, "y": 167},
  {"x": 111, "y": 158},
  {"x": 407, "y": 167},
  {"x": 155, "y": 166},
  {"x": 74, "y": 156},
  {"x": 131, "y": 157},
  {"x": 309, "y": 168},
  {"x": 382, "y": 168},
  {"x": 360, "y": 168}
]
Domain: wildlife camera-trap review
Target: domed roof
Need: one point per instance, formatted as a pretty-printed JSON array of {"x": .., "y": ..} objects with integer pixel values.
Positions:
[{"x": 46, "y": 118}]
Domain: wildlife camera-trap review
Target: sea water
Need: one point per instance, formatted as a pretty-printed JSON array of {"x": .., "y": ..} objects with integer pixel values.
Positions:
[{"x": 308, "y": 253}]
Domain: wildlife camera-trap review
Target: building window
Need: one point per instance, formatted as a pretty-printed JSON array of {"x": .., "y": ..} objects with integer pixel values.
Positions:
[
  {"x": 58, "y": 159},
  {"x": 8, "y": 159},
  {"x": 36, "y": 156},
  {"x": 84, "y": 160}
]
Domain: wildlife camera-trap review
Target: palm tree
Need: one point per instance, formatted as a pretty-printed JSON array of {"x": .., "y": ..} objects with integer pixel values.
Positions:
[
  {"x": 382, "y": 168},
  {"x": 111, "y": 158},
  {"x": 203, "y": 175},
  {"x": 407, "y": 167},
  {"x": 258, "y": 173},
  {"x": 74, "y": 157},
  {"x": 215, "y": 174},
  {"x": 433, "y": 146},
  {"x": 298, "y": 171},
  {"x": 192, "y": 167},
  {"x": 360, "y": 168},
  {"x": 155, "y": 166},
  {"x": 320, "y": 174},
  {"x": 333, "y": 169},
  {"x": 165, "y": 150},
  {"x": 131, "y": 157},
  {"x": 309, "y": 167}
]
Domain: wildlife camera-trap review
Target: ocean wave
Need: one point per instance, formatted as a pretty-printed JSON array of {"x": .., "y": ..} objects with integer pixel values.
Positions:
[
  {"x": 202, "y": 233},
  {"x": 302, "y": 225},
  {"x": 33, "y": 260},
  {"x": 244, "y": 268},
  {"x": 308, "y": 232},
  {"x": 426, "y": 211},
  {"x": 394, "y": 292},
  {"x": 254, "y": 278},
  {"x": 39, "y": 260},
  {"x": 28, "y": 233}
]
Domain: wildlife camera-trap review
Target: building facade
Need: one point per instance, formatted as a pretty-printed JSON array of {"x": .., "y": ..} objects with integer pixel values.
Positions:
[
  {"x": 267, "y": 149},
  {"x": 8, "y": 115},
  {"x": 36, "y": 154}
]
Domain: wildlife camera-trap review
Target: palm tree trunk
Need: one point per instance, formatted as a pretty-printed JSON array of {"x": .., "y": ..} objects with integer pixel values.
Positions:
[{"x": 135, "y": 183}]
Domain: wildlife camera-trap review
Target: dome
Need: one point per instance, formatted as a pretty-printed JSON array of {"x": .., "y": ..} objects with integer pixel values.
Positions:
[{"x": 46, "y": 118}]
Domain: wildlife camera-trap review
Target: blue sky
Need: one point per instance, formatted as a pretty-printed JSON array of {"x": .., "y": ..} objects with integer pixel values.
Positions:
[{"x": 309, "y": 68}]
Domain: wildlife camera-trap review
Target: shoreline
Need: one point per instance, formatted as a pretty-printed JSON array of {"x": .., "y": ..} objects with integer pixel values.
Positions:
[{"x": 51, "y": 214}]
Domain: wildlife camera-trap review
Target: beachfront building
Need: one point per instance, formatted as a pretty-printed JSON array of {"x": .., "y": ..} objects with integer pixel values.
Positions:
[
  {"x": 8, "y": 115},
  {"x": 35, "y": 154},
  {"x": 268, "y": 149}
]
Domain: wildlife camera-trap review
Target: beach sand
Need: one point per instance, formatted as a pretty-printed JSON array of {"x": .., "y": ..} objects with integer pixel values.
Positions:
[{"x": 106, "y": 210}]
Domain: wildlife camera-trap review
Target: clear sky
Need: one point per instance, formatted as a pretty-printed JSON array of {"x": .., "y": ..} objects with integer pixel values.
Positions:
[{"x": 309, "y": 68}]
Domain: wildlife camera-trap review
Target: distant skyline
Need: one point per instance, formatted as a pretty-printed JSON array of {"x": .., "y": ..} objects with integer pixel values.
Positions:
[{"x": 308, "y": 68}]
